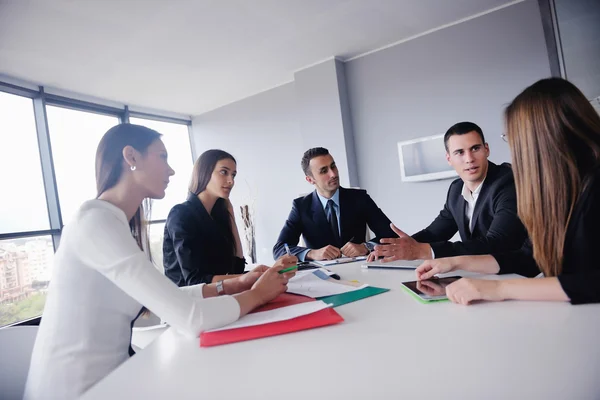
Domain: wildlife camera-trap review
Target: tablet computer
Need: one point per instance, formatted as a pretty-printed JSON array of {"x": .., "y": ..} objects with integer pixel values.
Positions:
[
  {"x": 430, "y": 289},
  {"x": 399, "y": 264}
]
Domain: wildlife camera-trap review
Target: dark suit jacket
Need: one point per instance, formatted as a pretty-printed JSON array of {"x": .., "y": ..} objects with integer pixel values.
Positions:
[
  {"x": 307, "y": 218},
  {"x": 197, "y": 245},
  {"x": 496, "y": 226},
  {"x": 580, "y": 275}
]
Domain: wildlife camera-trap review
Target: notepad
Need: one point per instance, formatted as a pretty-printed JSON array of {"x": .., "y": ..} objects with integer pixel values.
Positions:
[
  {"x": 276, "y": 315},
  {"x": 399, "y": 264},
  {"x": 342, "y": 260},
  {"x": 321, "y": 318},
  {"x": 349, "y": 297}
]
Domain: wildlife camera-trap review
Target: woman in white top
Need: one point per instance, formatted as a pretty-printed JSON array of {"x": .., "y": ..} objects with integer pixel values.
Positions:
[{"x": 102, "y": 279}]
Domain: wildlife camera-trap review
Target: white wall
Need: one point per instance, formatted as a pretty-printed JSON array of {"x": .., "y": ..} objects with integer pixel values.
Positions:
[
  {"x": 469, "y": 71},
  {"x": 261, "y": 132}
]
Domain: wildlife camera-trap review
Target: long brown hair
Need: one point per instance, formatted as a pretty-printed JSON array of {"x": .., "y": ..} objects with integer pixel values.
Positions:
[
  {"x": 109, "y": 168},
  {"x": 554, "y": 137}
]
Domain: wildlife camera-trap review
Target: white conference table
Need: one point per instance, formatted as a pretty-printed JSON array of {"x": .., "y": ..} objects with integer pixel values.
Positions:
[{"x": 389, "y": 346}]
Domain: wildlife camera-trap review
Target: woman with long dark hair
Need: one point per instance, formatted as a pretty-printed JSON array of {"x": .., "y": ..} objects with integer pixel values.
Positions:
[
  {"x": 201, "y": 242},
  {"x": 102, "y": 278},
  {"x": 554, "y": 138}
]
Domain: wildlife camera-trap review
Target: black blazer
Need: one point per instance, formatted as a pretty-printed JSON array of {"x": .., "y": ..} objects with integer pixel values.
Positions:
[
  {"x": 580, "y": 275},
  {"x": 197, "y": 245},
  {"x": 496, "y": 226},
  {"x": 307, "y": 218}
]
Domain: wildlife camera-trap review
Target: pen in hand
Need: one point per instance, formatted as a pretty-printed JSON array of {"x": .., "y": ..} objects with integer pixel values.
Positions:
[{"x": 293, "y": 267}]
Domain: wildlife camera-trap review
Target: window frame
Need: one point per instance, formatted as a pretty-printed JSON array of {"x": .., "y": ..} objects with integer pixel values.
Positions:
[{"x": 40, "y": 100}]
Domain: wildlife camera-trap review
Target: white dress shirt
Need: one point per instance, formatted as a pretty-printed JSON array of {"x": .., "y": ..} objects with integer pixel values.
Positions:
[
  {"x": 471, "y": 199},
  {"x": 100, "y": 282}
]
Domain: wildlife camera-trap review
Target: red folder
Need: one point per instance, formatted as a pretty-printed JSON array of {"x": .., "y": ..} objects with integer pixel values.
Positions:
[{"x": 323, "y": 317}]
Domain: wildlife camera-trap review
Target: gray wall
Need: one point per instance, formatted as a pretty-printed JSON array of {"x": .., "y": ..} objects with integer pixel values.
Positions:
[
  {"x": 579, "y": 27},
  {"x": 323, "y": 115},
  {"x": 420, "y": 88},
  {"x": 262, "y": 134}
]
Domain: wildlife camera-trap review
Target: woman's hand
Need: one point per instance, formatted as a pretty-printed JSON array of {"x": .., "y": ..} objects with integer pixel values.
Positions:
[
  {"x": 271, "y": 284},
  {"x": 287, "y": 262},
  {"x": 431, "y": 288},
  {"x": 466, "y": 290},
  {"x": 248, "y": 279},
  {"x": 430, "y": 268}
]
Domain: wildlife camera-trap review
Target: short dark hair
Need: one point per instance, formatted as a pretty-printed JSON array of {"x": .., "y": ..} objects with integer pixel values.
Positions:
[
  {"x": 309, "y": 155},
  {"x": 462, "y": 128}
]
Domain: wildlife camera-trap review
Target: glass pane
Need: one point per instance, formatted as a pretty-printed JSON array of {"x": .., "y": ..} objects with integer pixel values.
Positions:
[
  {"x": 23, "y": 204},
  {"x": 578, "y": 22},
  {"x": 75, "y": 136},
  {"x": 25, "y": 270},
  {"x": 156, "y": 243},
  {"x": 177, "y": 141}
]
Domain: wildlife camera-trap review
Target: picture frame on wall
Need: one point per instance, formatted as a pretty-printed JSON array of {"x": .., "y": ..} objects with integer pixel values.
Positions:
[{"x": 424, "y": 159}]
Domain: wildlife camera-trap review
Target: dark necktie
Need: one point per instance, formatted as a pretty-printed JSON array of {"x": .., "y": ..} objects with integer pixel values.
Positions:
[{"x": 333, "y": 222}]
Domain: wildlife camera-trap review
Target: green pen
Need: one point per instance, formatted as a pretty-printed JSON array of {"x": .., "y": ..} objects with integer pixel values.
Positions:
[{"x": 293, "y": 267}]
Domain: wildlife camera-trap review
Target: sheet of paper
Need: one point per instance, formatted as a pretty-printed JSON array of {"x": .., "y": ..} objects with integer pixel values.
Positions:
[
  {"x": 319, "y": 284},
  {"x": 341, "y": 260},
  {"x": 404, "y": 264},
  {"x": 278, "y": 314}
]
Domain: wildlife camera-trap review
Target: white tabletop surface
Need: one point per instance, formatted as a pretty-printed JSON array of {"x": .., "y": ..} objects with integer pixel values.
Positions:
[{"x": 390, "y": 346}]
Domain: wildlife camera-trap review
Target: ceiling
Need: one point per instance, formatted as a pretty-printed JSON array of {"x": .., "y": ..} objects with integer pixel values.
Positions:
[{"x": 189, "y": 56}]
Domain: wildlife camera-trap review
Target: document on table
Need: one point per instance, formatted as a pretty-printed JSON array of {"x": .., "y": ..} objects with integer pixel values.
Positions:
[
  {"x": 275, "y": 315},
  {"x": 317, "y": 283},
  {"x": 342, "y": 260}
]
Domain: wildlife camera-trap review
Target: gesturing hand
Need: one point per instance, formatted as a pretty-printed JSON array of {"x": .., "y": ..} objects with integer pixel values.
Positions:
[{"x": 403, "y": 247}]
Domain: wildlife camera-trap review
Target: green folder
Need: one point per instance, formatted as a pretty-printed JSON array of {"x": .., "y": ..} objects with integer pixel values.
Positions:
[
  {"x": 419, "y": 299},
  {"x": 349, "y": 297}
]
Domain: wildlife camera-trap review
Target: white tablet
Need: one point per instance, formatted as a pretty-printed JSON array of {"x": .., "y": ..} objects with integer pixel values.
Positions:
[{"x": 400, "y": 264}]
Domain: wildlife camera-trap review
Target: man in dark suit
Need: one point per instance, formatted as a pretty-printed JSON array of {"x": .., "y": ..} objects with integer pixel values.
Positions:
[
  {"x": 331, "y": 219},
  {"x": 481, "y": 205}
]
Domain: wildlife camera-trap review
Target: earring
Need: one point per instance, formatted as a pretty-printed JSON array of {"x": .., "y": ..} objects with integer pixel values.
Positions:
[{"x": 132, "y": 167}]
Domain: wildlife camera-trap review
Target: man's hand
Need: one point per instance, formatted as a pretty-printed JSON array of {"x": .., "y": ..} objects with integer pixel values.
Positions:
[
  {"x": 328, "y": 252},
  {"x": 354, "y": 250},
  {"x": 402, "y": 248}
]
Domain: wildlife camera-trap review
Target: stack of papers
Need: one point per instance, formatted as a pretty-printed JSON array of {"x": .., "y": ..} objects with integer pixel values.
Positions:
[
  {"x": 278, "y": 314},
  {"x": 285, "y": 314},
  {"x": 342, "y": 260}
]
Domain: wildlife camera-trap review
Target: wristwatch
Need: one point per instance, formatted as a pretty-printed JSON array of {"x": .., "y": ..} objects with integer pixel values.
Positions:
[{"x": 220, "y": 289}]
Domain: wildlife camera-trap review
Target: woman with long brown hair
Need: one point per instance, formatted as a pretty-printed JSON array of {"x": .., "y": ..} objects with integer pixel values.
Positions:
[
  {"x": 202, "y": 242},
  {"x": 102, "y": 278},
  {"x": 554, "y": 137}
]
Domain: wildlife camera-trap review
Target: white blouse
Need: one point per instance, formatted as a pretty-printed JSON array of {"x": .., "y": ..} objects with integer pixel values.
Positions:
[{"x": 100, "y": 282}]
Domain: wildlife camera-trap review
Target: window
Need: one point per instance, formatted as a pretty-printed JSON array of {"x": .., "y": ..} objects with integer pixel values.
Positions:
[
  {"x": 50, "y": 173},
  {"x": 74, "y": 138},
  {"x": 23, "y": 202},
  {"x": 156, "y": 236},
  {"x": 177, "y": 141},
  {"x": 25, "y": 269}
]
